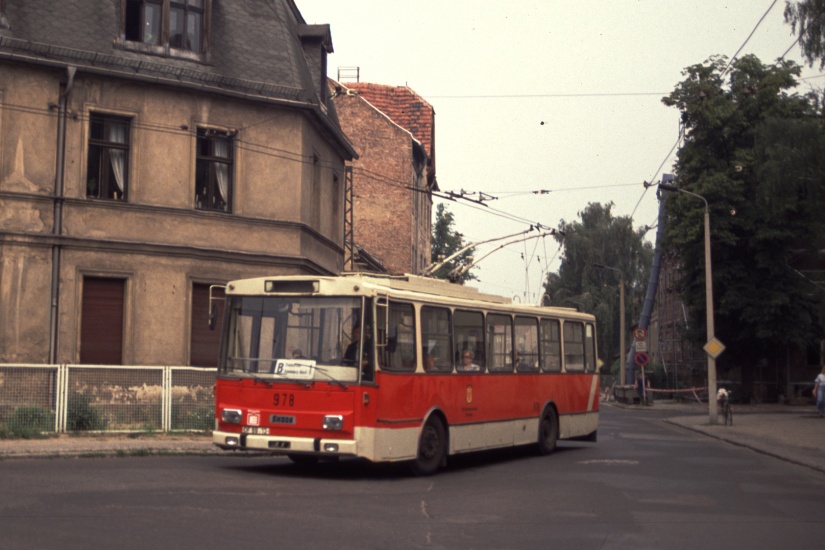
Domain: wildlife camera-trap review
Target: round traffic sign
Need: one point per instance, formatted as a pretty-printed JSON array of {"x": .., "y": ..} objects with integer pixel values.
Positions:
[
  {"x": 639, "y": 333},
  {"x": 642, "y": 359}
]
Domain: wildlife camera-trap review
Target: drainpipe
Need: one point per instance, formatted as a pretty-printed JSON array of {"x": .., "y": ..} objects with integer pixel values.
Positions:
[{"x": 57, "y": 225}]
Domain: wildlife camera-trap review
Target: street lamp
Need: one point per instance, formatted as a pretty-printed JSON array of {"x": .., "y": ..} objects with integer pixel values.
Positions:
[
  {"x": 622, "y": 357},
  {"x": 708, "y": 307}
]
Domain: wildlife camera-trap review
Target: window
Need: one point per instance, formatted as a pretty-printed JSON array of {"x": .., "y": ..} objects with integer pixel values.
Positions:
[
  {"x": 527, "y": 345},
  {"x": 573, "y": 346},
  {"x": 590, "y": 347},
  {"x": 179, "y": 24},
  {"x": 436, "y": 339},
  {"x": 550, "y": 346},
  {"x": 108, "y": 161},
  {"x": 399, "y": 353},
  {"x": 143, "y": 20},
  {"x": 500, "y": 343},
  {"x": 213, "y": 174},
  {"x": 186, "y": 24},
  {"x": 468, "y": 328}
]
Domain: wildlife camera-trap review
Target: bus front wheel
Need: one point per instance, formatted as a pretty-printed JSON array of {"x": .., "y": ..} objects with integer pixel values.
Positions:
[
  {"x": 548, "y": 431},
  {"x": 432, "y": 448}
]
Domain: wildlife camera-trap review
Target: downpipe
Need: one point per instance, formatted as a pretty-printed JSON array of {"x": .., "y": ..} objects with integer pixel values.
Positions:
[{"x": 57, "y": 224}]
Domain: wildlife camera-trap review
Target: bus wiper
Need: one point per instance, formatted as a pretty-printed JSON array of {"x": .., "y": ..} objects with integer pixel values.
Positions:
[
  {"x": 268, "y": 381},
  {"x": 330, "y": 377}
]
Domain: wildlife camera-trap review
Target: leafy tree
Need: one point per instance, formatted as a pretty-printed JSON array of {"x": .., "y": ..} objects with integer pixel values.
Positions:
[
  {"x": 447, "y": 241},
  {"x": 807, "y": 19},
  {"x": 601, "y": 238},
  {"x": 754, "y": 151}
]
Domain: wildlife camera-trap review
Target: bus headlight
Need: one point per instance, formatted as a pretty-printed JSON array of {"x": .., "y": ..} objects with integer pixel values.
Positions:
[
  {"x": 231, "y": 416},
  {"x": 333, "y": 422}
]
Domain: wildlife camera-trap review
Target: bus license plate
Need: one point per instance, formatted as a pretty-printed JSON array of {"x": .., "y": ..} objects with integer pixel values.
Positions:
[{"x": 255, "y": 430}]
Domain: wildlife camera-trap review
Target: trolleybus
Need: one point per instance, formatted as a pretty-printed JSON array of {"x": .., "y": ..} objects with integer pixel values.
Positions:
[{"x": 398, "y": 368}]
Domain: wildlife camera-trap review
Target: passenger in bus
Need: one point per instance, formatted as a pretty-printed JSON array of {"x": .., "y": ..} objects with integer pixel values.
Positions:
[{"x": 468, "y": 364}]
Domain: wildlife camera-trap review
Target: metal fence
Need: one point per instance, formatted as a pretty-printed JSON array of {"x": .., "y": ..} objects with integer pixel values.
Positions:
[{"x": 72, "y": 398}]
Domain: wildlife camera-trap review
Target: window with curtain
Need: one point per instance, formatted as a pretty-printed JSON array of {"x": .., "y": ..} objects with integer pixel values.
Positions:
[
  {"x": 108, "y": 160},
  {"x": 179, "y": 24},
  {"x": 213, "y": 173}
]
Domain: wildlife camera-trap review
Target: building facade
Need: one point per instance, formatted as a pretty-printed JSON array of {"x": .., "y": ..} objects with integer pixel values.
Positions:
[
  {"x": 148, "y": 150},
  {"x": 393, "y": 130}
]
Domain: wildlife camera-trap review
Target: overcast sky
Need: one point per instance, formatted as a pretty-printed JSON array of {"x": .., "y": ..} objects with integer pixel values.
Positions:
[{"x": 558, "y": 96}]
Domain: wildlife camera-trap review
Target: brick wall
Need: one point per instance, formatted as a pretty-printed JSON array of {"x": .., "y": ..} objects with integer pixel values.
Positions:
[{"x": 382, "y": 201}]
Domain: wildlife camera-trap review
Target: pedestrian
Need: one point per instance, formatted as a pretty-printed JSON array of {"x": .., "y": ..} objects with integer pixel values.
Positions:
[{"x": 819, "y": 392}]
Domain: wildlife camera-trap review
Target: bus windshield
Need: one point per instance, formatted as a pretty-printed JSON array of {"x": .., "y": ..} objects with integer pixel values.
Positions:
[{"x": 293, "y": 338}]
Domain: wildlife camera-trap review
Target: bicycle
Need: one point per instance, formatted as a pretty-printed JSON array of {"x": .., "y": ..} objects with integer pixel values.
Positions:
[{"x": 723, "y": 402}]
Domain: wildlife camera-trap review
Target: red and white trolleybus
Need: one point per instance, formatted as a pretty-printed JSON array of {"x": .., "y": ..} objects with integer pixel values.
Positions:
[{"x": 398, "y": 368}]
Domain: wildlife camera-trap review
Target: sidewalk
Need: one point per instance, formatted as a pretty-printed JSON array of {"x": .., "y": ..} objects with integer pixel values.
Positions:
[
  {"x": 792, "y": 433},
  {"x": 91, "y": 445}
]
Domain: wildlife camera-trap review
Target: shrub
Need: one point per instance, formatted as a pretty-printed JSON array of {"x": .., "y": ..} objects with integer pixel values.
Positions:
[
  {"x": 82, "y": 416},
  {"x": 187, "y": 417},
  {"x": 29, "y": 422}
]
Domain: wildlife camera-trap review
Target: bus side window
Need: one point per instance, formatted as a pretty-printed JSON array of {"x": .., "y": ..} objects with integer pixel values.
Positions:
[
  {"x": 436, "y": 342},
  {"x": 499, "y": 343},
  {"x": 590, "y": 347},
  {"x": 526, "y": 353},
  {"x": 468, "y": 331},
  {"x": 550, "y": 346},
  {"x": 573, "y": 346},
  {"x": 400, "y": 354}
]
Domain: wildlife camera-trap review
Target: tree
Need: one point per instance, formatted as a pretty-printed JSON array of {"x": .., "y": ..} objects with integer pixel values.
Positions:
[
  {"x": 807, "y": 19},
  {"x": 446, "y": 242},
  {"x": 600, "y": 238},
  {"x": 750, "y": 149}
]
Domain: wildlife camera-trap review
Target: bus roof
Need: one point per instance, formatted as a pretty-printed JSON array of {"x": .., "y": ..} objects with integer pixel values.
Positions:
[{"x": 408, "y": 286}]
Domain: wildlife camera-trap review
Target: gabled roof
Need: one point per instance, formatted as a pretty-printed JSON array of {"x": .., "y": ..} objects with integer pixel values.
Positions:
[
  {"x": 256, "y": 50},
  {"x": 405, "y": 107}
]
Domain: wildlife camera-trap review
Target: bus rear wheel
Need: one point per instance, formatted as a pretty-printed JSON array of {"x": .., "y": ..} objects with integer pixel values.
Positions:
[
  {"x": 432, "y": 448},
  {"x": 548, "y": 431}
]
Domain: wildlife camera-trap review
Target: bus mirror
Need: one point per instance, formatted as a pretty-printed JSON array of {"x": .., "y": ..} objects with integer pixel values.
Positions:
[
  {"x": 213, "y": 304},
  {"x": 213, "y": 315}
]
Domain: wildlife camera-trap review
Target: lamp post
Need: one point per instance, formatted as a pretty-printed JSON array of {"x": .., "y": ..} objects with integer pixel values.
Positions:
[
  {"x": 712, "y": 419},
  {"x": 622, "y": 357}
]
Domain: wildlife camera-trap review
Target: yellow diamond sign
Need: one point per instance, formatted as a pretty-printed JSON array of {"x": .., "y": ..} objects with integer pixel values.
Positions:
[{"x": 714, "y": 347}]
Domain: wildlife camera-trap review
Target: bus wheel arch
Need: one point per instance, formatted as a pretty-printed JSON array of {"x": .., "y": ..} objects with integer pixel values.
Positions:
[
  {"x": 548, "y": 434},
  {"x": 433, "y": 445}
]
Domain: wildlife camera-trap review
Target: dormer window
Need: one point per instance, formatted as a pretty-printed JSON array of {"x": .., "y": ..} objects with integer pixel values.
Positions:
[{"x": 167, "y": 26}]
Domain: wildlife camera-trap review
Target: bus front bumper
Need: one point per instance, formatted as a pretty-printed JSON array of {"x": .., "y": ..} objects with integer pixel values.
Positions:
[{"x": 285, "y": 445}]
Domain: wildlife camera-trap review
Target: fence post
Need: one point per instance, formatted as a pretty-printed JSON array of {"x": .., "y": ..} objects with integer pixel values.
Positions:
[
  {"x": 166, "y": 400},
  {"x": 61, "y": 407}
]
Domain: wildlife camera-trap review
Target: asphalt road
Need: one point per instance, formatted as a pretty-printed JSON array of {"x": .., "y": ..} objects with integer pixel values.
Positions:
[{"x": 645, "y": 484}]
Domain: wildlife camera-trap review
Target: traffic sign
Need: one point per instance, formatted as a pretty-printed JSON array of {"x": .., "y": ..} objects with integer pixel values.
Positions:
[
  {"x": 642, "y": 359},
  {"x": 641, "y": 345},
  {"x": 714, "y": 347},
  {"x": 639, "y": 333}
]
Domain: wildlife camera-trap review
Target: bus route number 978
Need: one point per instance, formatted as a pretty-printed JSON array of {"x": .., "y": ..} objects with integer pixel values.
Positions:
[{"x": 283, "y": 399}]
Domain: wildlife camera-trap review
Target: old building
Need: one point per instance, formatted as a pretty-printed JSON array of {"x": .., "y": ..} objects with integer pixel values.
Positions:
[
  {"x": 393, "y": 130},
  {"x": 149, "y": 149}
]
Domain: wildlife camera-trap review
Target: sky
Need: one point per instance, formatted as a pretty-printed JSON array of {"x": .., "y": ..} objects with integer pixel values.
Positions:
[{"x": 546, "y": 106}]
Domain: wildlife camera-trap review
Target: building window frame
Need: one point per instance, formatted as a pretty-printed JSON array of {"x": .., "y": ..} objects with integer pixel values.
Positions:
[
  {"x": 214, "y": 169},
  {"x": 108, "y": 156},
  {"x": 172, "y": 28}
]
